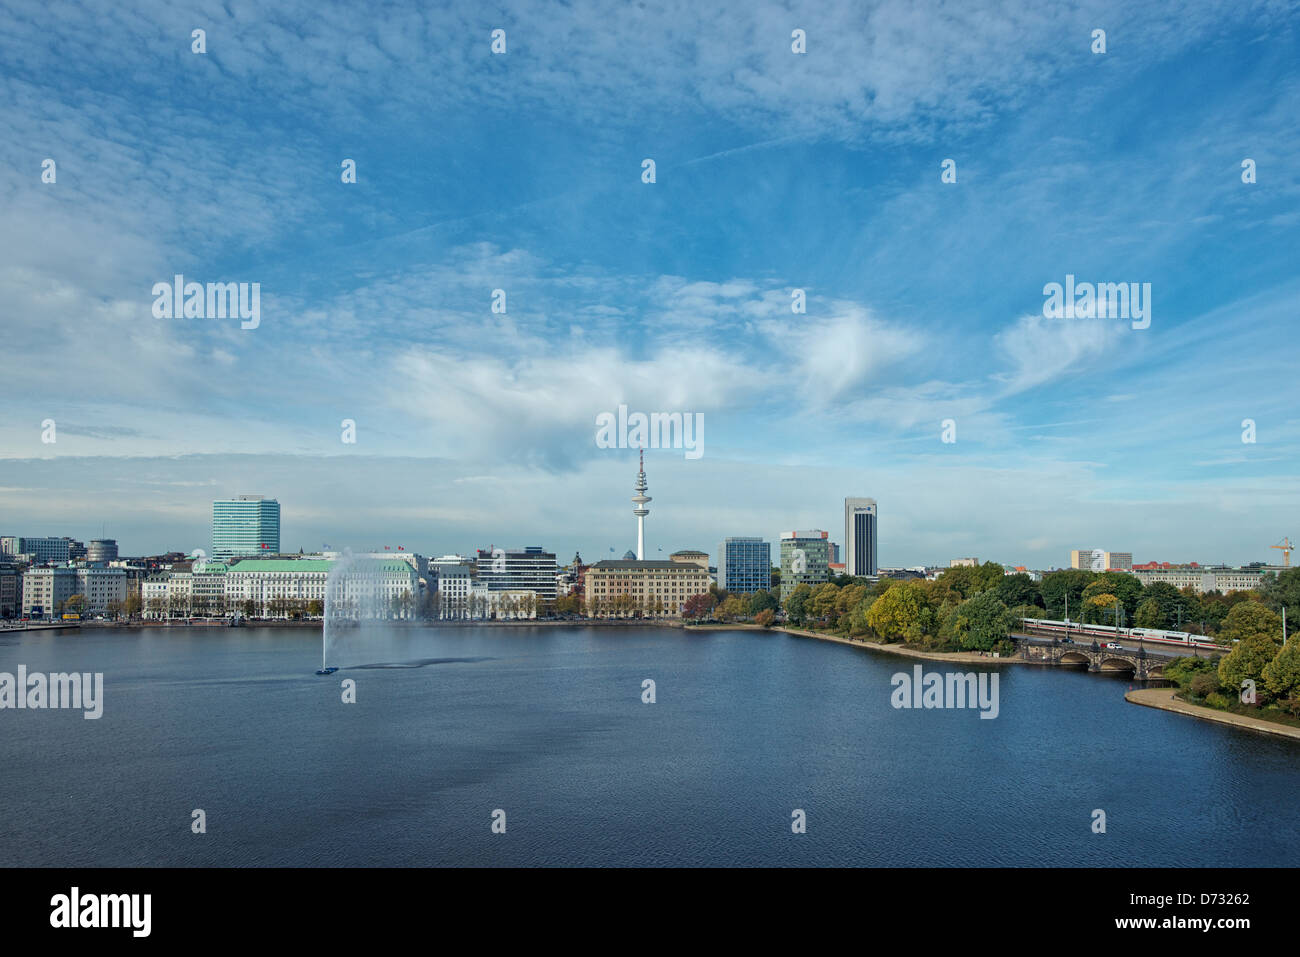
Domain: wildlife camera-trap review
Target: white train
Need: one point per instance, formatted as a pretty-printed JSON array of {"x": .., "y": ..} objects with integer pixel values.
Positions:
[{"x": 1109, "y": 633}]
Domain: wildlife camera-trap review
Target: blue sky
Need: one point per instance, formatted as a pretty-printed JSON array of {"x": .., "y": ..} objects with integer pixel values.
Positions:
[{"x": 774, "y": 171}]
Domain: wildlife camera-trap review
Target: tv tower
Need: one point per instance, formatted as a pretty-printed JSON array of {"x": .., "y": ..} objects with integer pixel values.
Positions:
[{"x": 640, "y": 498}]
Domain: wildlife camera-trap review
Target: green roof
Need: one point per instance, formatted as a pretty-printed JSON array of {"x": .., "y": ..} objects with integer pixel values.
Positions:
[
  {"x": 283, "y": 565},
  {"x": 319, "y": 565}
]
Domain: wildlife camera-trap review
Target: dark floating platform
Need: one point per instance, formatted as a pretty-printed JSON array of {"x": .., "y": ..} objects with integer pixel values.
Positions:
[{"x": 326, "y": 671}]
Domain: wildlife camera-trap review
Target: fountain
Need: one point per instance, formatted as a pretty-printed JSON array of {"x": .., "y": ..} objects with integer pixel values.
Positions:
[{"x": 354, "y": 594}]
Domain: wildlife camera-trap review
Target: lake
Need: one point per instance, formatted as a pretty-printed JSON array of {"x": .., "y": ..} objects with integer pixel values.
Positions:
[{"x": 548, "y": 725}]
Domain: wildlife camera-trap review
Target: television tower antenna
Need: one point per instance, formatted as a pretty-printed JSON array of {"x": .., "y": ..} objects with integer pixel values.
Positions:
[{"x": 640, "y": 499}]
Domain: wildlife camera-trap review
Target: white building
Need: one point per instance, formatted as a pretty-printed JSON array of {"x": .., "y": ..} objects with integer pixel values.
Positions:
[{"x": 47, "y": 590}]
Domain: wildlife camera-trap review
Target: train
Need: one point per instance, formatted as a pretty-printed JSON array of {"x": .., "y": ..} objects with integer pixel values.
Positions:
[{"x": 1110, "y": 633}]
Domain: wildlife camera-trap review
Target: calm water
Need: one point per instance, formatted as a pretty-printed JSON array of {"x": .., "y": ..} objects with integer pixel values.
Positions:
[{"x": 548, "y": 724}]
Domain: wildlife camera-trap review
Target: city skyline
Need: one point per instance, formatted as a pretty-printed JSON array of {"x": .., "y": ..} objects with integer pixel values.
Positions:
[
  {"x": 452, "y": 331},
  {"x": 413, "y": 543}
]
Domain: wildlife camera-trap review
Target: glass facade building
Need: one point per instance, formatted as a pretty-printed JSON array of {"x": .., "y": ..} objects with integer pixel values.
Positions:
[
  {"x": 247, "y": 525},
  {"x": 744, "y": 565}
]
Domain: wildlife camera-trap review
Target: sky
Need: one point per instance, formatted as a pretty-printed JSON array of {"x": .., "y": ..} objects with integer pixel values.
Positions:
[{"x": 774, "y": 171}]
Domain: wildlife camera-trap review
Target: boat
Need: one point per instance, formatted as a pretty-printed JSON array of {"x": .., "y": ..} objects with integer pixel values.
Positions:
[{"x": 326, "y": 671}]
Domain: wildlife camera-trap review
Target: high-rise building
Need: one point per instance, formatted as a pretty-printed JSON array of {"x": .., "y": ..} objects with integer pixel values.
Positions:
[
  {"x": 245, "y": 525},
  {"x": 744, "y": 565},
  {"x": 860, "y": 536},
  {"x": 526, "y": 569},
  {"x": 1099, "y": 560},
  {"x": 804, "y": 559}
]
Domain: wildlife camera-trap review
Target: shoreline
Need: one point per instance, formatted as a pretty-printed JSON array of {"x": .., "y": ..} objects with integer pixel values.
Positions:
[
  {"x": 965, "y": 657},
  {"x": 1163, "y": 699}
]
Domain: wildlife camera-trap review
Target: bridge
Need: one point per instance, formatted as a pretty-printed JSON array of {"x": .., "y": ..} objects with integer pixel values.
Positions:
[{"x": 1142, "y": 665}]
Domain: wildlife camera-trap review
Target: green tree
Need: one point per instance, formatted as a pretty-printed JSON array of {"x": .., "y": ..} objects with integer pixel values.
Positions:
[
  {"x": 762, "y": 601},
  {"x": 1150, "y": 614},
  {"x": 982, "y": 623},
  {"x": 796, "y": 602},
  {"x": 1065, "y": 587},
  {"x": 1247, "y": 660},
  {"x": 1019, "y": 589},
  {"x": 1283, "y": 590},
  {"x": 901, "y": 613},
  {"x": 1282, "y": 674},
  {"x": 1248, "y": 619}
]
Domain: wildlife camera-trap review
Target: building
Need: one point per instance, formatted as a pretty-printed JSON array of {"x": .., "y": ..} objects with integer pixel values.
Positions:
[
  {"x": 365, "y": 588},
  {"x": 42, "y": 551},
  {"x": 46, "y": 591},
  {"x": 11, "y": 590},
  {"x": 805, "y": 557},
  {"x": 621, "y": 587},
  {"x": 523, "y": 569},
  {"x": 1098, "y": 560},
  {"x": 860, "y": 536},
  {"x": 744, "y": 565},
  {"x": 245, "y": 525},
  {"x": 454, "y": 587},
  {"x": 1207, "y": 578},
  {"x": 964, "y": 563},
  {"x": 102, "y": 550}
]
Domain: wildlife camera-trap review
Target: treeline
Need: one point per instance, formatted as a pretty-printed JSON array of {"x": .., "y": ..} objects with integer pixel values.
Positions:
[
  {"x": 1261, "y": 672},
  {"x": 975, "y": 608}
]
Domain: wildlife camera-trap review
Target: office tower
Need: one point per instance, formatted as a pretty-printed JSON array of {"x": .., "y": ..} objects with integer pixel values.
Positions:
[
  {"x": 860, "y": 536},
  {"x": 744, "y": 565},
  {"x": 804, "y": 559},
  {"x": 246, "y": 525}
]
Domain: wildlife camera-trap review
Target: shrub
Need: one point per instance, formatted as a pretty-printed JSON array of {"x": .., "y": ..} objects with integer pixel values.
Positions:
[{"x": 1203, "y": 684}]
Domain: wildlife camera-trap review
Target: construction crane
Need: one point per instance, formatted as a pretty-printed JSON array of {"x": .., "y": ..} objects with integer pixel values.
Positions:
[{"x": 1286, "y": 548}]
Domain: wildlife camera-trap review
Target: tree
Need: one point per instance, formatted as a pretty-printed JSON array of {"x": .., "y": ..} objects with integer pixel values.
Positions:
[
  {"x": 1280, "y": 590},
  {"x": 75, "y": 604},
  {"x": 1282, "y": 674},
  {"x": 764, "y": 618},
  {"x": 969, "y": 580},
  {"x": 1118, "y": 585},
  {"x": 901, "y": 613},
  {"x": 316, "y": 608},
  {"x": 1177, "y": 610},
  {"x": 762, "y": 601},
  {"x": 1150, "y": 614},
  {"x": 113, "y": 609},
  {"x": 821, "y": 604},
  {"x": 1062, "y": 588},
  {"x": 733, "y": 607},
  {"x": 1019, "y": 589},
  {"x": 134, "y": 604},
  {"x": 1247, "y": 660},
  {"x": 796, "y": 603},
  {"x": 1097, "y": 607},
  {"x": 982, "y": 623},
  {"x": 698, "y": 606},
  {"x": 1249, "y": 619}
]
